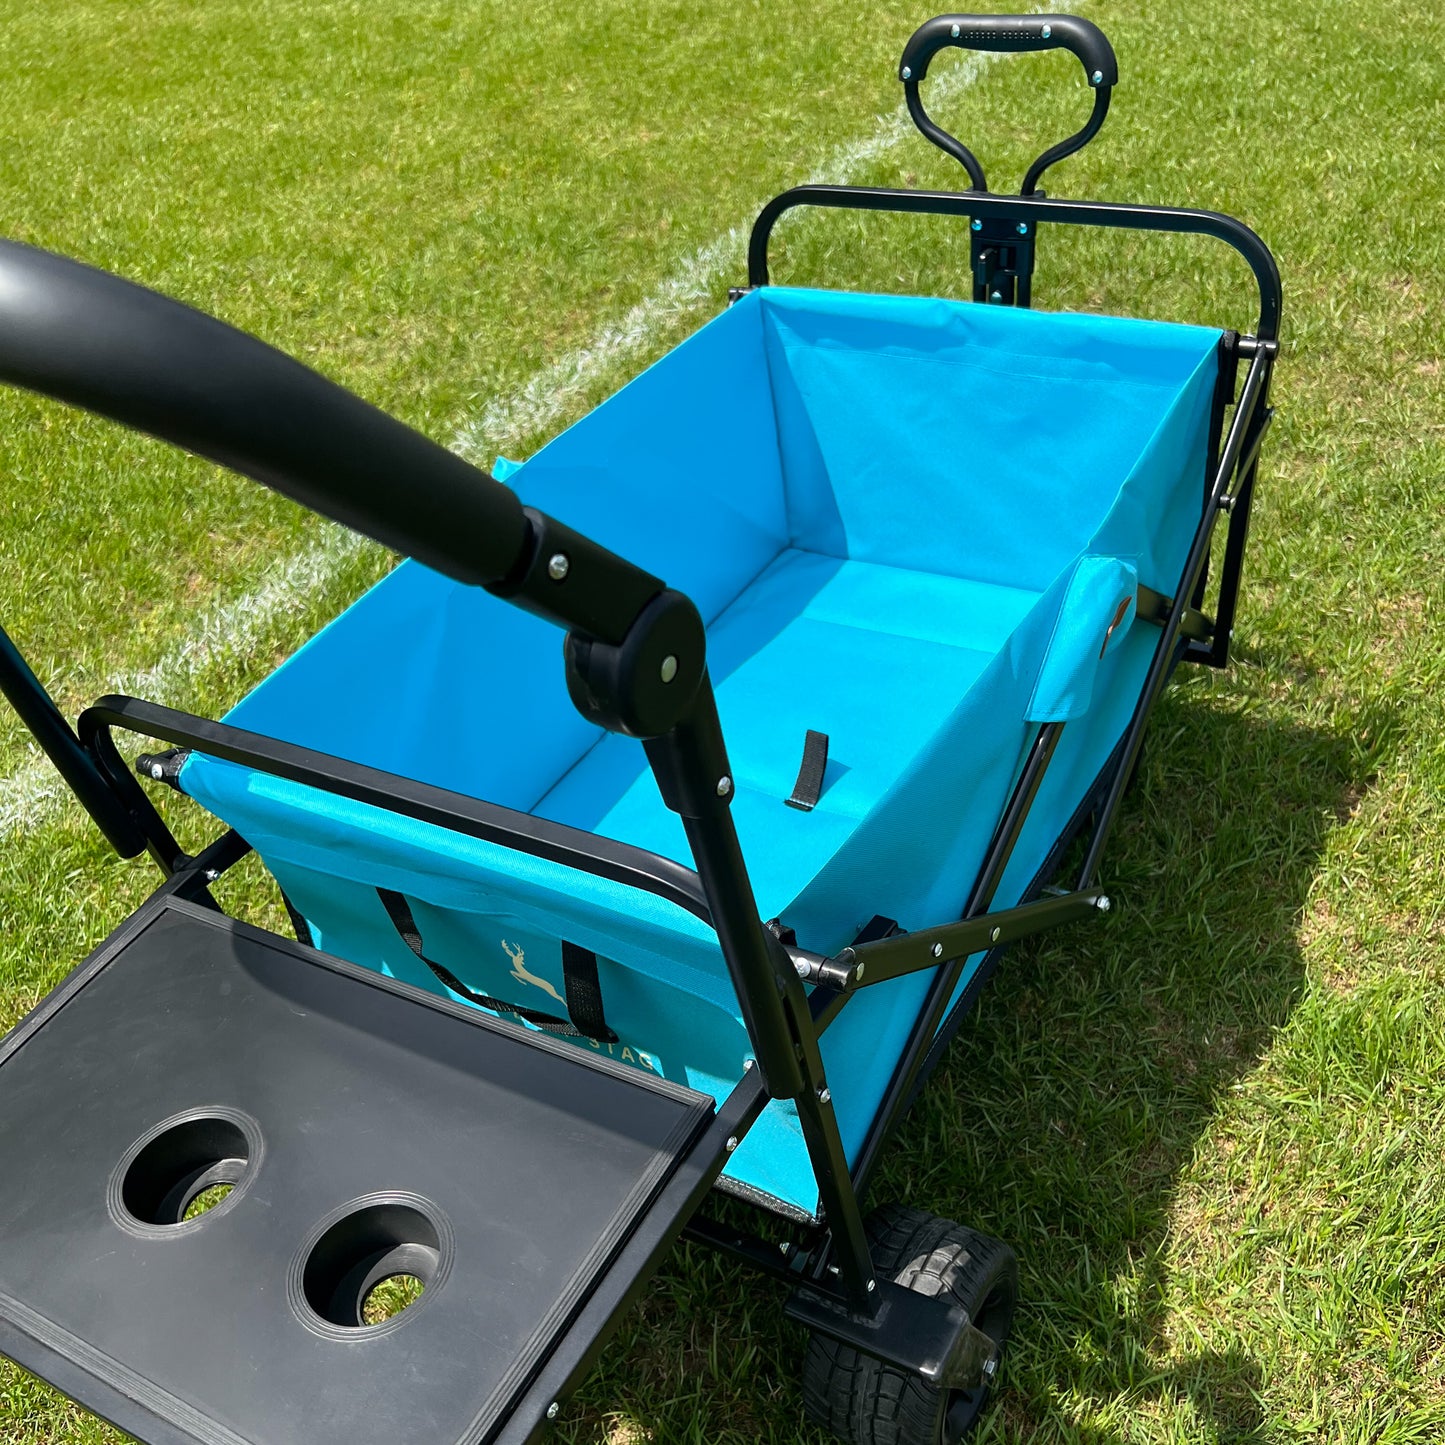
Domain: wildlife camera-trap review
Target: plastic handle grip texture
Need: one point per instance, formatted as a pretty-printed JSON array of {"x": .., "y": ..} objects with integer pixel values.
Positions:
[
  {"x": 86, "y": 337},
  {"x": 1012, "y": 33}
]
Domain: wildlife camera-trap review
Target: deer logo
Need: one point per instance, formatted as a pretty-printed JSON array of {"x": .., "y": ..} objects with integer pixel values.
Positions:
[{"x": 520, "y": 973}]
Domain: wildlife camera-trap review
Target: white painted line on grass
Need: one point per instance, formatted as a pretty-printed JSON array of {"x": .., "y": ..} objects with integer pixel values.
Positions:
[{"x": 34, "y": 791}]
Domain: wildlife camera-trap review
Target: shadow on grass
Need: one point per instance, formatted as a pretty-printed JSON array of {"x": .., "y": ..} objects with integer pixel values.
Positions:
[
  {"x": 1063, "y": 1119},
  {"x": 1066, "y": 1111}
]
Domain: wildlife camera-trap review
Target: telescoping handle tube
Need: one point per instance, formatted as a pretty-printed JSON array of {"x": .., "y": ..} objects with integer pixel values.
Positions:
[{"x": 1010, "y": 34}]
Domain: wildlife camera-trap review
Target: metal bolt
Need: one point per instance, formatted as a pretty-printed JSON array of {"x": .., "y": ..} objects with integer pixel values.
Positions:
[
  {"x": 994, "y": 936},
  {"x": 954, "y": 32},
  {"x": 552, "y": 1410},
  {"x": 907, "y": 73},
  {"x": 669, "y": 668},
  {"x": 1097, "y": 78},
  {"x": 825, "y": 1095},
  {"x": 1103, "y": 904},
  {"x": 937, "y": 950},
  {"x": 211, "y": 874},
  {"x": 1047, "y": 31},
  {"x": 732, "y": 1142},
  {"x": 800, "y": 966},
  {"x": 1226, "y": 502},
  {"x": 858, "y": 973},
  {"x": 559, "y": 566},
  {"x": 1022, "y": 228},
  {"x": 978, "y": 225},
  {"x": 872, "y": 1285},
  {"x": 157, "y": 772},
  {"x": 995, "y": 295},
  {"x": 748, "y": 1064},
  {"x": 724, "y": 786}
]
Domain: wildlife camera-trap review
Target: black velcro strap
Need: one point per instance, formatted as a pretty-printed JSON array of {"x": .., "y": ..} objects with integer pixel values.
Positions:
[
  {"x": 809, "y": 787},
  {"x": 584, "y": 992},
  {"x": 586, "y": 1015}
]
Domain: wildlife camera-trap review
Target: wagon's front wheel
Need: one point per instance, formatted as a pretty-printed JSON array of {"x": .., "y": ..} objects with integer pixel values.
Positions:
[{"x": 865, "y": 1402}]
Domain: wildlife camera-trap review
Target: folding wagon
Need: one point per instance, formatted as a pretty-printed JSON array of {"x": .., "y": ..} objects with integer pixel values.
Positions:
[{"x": 864, "y": 604}]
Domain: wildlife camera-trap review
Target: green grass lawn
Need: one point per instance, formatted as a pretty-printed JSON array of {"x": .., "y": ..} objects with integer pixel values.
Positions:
[{"x": 1214, "y": 1125}]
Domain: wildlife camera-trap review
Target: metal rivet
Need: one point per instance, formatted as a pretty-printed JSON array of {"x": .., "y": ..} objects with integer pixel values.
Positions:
[
  {"x": 858, "y": 973},
  {"x": 724, "y": 786},
  {"x": 157, "y": 772},
  {"x": 800, "y": 967},
  {"x": 1047, "y": 31},
  {"x": 211, "y": 874},
  {"x": 1103, "y": 905},
  {"x": 748, "y": 1064},
  {"x": 954, "y": 32},
  {"x": 1022, "y": 228},
  {"x": 732, "y": 1142},
  {"x": 1097, "y": 78},
  {"x": 907, "y": 73},
  {"x": 994, "y": 936},
  {"x": 558, "y": 567},
  {"x": 872, "y": 1285},
  {"x": 978, "y": 225},
  {"x": 995, "y": 295},
  {"x": 552, "y": 1410},
  {"x": 669, "y": 668},
  {"x": 825, "y": 1095},
  {"x": 938, "y": 950}
]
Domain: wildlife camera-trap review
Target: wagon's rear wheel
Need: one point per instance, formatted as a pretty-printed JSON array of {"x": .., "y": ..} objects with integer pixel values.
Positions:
[{"x": 865, "y": 1402}]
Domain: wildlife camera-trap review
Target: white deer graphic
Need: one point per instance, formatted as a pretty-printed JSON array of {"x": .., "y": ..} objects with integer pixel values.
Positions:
[{"x": 519, "y": 971}]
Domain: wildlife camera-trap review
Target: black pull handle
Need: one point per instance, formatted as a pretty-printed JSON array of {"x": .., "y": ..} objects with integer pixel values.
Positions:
[
  {"x": 89, "y": 338},
  {"x": 1009, "y": 34}
]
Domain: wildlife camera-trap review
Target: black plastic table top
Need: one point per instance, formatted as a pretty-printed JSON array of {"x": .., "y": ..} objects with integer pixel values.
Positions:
[{"x": 524, "y": 1164}]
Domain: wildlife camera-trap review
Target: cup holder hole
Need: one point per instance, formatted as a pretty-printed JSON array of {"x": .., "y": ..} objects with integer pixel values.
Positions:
[
  {"x": 372, "y": 1264},
  {"x": 186, "y": 1169}
]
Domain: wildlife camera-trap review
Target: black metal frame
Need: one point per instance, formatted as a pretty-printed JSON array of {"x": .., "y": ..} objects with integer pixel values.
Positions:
[{"x": 150, "y": 363}]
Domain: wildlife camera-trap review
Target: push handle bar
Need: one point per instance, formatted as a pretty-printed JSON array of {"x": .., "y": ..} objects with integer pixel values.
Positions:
[
  {"x": 1011, "y": 34},
  {"x": 96, "y": 341}
]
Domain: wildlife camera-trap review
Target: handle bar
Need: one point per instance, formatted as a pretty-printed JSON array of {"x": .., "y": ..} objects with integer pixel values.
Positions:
[{"x": 1011, "y": 34}]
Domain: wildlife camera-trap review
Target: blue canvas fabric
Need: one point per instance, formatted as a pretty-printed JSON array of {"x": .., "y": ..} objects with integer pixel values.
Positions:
[{"x": 908, "y": 523}]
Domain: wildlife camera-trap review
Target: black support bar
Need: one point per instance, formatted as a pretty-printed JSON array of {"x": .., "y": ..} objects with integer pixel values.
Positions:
[{"x": 1030, "y": 210}]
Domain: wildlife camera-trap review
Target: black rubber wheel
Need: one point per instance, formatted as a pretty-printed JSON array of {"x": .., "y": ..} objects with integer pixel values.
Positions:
[{"x": 865, "y": 1402}]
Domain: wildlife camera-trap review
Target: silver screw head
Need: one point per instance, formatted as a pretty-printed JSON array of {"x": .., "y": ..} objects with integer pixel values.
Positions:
[
  {"x": 825, "y": 1095},
  {"x": 907, "y": 73},
  {"x": 993, "y": 937},
  {"x": 995, "y": 295},
  {"x": 558, "y": 566},
  {"x": 552, "y": 1410},
  {"x": 954, "y": 32},
  {"x": 1022, "y": 228},
  {"x": 1097, "y": 78},
  {"x": 1047, "y": 31},
  {"x": 937, "y": 950},
  {"x": 724, "y": 786},
  {"x": 157, "y": 772},
  {"x": 872, "y": 1285},
  {"x": 858, "y": 973},
  {"x": 732, "y": 1142},
  {"x": 978, "y": 225},
  {"x": 1104, "y": 904},
  {"x": 669, "y": 668},
  {"x": 800, "y": 967}
]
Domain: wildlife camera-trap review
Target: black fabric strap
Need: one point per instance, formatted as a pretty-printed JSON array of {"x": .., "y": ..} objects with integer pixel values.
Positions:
[
  {"x": 579, "y": 968},
  {"x": 809, "y": 787}
]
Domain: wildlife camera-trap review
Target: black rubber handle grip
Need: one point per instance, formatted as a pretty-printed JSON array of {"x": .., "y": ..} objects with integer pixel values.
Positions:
[
  {"x": 1012, "y": 33},
  {"x": 91, "y": 339}
]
